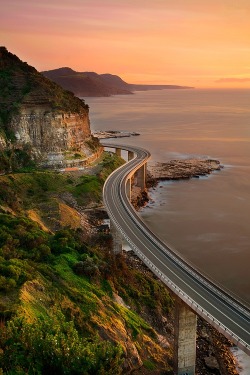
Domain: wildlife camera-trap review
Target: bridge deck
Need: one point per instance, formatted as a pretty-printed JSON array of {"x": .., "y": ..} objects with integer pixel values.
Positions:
[{"x": 226, "y": 314}]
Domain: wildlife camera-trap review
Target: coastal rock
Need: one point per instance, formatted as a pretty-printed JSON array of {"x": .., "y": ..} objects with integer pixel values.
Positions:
[
  {"x": 213, "y": 351},
  {"x": 211, "y": 363},
  {"x": 184, "y": 169},
  {"x": 105, "y": 134}
]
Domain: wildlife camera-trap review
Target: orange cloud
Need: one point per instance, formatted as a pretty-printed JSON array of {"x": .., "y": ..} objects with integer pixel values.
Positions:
[
  {"x": 232, "y": 79},
  {"x": 182, "y": 42}
]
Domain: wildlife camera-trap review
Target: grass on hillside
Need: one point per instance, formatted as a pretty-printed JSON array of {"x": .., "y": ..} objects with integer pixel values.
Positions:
[
  {"x": 41, "y": 189},
  {"x": 62, "y": 287},
  {"x": 57, "y": 290}
]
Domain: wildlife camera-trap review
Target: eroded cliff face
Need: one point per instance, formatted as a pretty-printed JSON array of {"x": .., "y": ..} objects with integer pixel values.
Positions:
[
  {"x": 42, "y": 119},
  {"x": 55, "y": 136}
]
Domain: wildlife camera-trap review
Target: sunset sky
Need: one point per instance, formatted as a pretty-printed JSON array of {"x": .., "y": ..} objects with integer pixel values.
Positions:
[{"x": 199, "y": 43}]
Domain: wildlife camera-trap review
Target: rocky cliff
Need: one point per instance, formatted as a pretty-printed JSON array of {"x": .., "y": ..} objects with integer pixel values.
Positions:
[{"x": 39, "y": 117}]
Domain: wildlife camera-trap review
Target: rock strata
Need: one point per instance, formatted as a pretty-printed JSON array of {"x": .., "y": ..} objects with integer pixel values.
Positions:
[{"x": 39, "y": 117}]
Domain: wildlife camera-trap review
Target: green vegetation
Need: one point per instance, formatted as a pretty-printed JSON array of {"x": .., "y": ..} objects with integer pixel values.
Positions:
[
  {"x": 93, "y": 143},
  {"x": 55, "y": 347},
  {"x": 38, "y": 189},
  {"x": 149, "y": 365},
  {"x": 89, "y": 188},
  {"x": 13, "y": 160},
  {"x": 109, "y": 164},
  {"x": 57, "y": 290},
  {"x": 56, "y": 285},
  {"x": 68, "y": 305},
  {"x": 71, "y": 155},
  {"x": 31, "y": 258}
]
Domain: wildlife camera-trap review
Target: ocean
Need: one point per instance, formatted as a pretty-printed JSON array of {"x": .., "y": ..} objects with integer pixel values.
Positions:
[{"x": 206, "y": 220}]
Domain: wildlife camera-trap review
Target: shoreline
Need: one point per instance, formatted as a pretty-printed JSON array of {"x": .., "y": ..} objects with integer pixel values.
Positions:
[
  {"x": 214, "y": 352},
  {"x": 173, "y": 170}
]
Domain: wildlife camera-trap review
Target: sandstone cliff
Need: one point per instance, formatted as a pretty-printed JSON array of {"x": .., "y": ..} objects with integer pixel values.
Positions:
[{"x": 41, "y": 118}]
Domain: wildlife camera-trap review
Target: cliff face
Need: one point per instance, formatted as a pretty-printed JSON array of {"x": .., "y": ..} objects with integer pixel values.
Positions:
[
  {"x": 38, "y": 115},
  {"x": 54, "y": 135}
]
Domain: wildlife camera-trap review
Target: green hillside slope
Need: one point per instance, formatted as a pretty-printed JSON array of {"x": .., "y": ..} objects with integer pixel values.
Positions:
[{"x": 68, "y": 305}]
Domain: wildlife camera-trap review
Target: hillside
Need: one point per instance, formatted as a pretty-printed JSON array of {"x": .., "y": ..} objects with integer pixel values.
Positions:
[
  {"x": 85, "y": 84},
  {"x": 38, "y": 118},
  {"x": 67, "y": 304}
]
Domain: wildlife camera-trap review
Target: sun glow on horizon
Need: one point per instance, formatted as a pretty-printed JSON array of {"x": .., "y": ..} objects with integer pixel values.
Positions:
[{"x": 190, "y": 43}]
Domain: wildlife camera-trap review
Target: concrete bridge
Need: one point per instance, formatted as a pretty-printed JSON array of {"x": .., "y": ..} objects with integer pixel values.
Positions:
[{"x": 196, "y": 295}]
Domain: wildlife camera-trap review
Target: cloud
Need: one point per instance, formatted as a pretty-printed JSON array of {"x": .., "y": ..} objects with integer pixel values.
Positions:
[{"x": 231, "y": 79}]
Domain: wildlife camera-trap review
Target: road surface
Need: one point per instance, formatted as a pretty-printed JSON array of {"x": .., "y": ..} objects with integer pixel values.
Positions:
[{"x": 207, "y": 299}]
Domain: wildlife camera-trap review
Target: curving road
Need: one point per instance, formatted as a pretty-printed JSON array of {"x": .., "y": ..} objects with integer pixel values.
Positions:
[{"x": 217, "y": 307}]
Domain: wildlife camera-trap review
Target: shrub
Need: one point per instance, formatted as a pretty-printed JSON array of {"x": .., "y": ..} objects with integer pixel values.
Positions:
[{"x": 53, "y": 346}]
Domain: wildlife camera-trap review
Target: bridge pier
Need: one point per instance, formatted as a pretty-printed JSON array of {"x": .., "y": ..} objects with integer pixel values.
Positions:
[
  {"x": 141, "y": 176},
  {"x": 118, "y": 151},
  {"x": 185, "y": 339},
  {"x": 130, "y": 155},
  {"x": 128, "y": 188},
  {"x": 117, "y": 238}
]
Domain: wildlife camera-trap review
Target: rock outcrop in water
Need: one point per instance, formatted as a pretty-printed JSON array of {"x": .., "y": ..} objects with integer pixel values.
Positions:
[
  {"x": 40, "y": 118},
  {"x": 184, "y": 169}
]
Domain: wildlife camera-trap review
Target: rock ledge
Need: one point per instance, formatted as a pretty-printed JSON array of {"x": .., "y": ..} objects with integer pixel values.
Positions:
[{"x": 184, "y": 169}]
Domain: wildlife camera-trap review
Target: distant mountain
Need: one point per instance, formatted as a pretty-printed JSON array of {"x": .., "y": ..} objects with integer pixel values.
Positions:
[
  {"x": 84, "y": 84},
  {"x": 116, "y": 81},
  {"x": 135, "y": 87},
  {"x": 87, "y": 83}
]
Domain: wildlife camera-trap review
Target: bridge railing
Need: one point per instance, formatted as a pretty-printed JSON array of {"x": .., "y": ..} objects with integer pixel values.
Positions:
[{"x": 182, "y": 263}]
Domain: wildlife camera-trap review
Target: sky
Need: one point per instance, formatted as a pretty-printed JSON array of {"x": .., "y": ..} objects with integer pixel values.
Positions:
[{"x": 200, "y": 43}]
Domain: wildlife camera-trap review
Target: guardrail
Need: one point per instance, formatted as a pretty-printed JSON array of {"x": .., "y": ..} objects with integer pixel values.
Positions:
[{"x": 176, "y": 258}]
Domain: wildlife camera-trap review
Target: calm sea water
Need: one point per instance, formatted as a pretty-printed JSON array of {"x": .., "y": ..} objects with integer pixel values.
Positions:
[{"x": 206, "y": 220}]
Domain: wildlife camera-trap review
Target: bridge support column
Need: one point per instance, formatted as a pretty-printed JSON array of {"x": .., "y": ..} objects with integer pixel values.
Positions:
[
  {"x": 141, "y": 176},
  {"x": 130, "y": 155},
  {"x": 118, "y": 151},
  {"x": 117, "y": 238},
  {"x": 128, "y": 188},
  {"x": 185, "y": 340}
]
